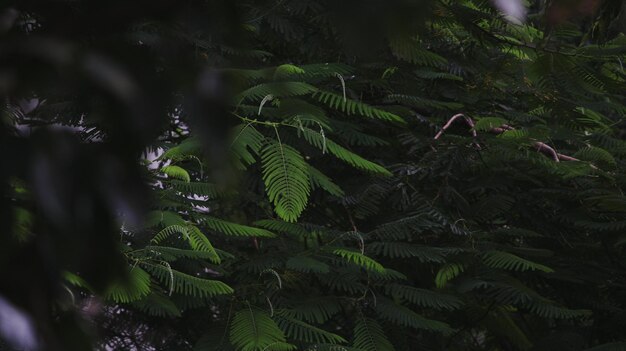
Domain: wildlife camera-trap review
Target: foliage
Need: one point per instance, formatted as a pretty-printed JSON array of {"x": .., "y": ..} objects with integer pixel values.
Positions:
[{"x": 306, "y": 203}]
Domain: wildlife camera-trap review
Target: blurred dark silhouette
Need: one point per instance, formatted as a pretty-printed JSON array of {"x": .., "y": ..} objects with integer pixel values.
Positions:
[{"x": 86, "y": 86}]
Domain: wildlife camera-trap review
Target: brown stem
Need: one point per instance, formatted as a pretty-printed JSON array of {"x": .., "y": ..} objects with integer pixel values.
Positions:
[
  {"x": 546, "y": 149},
  {"x": 449, "y": 123},
  {"x": 567, "y": 158},
  {"x": 541, "y": 146}
]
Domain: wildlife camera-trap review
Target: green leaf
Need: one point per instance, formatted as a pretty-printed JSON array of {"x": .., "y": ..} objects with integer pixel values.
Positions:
[
  {"x": 318, "y": 140},
  {"x": 409, "y": 49},
  {"x": 596, "y": 155},
  {"x": 487, "y": 123},
  {"x": 277, "y": 89},
  {"x": 203, "y": 189},
  {"x": 169, "y": 231},
  {"x": 287, "y": 71},
  {"x": 245, "y": 139},
  {"x": 359, "y": 259},
  {"x": 171, "y": 254},
  {"x": 254, "y": 330},
  {"x": 234, "y": 229},
  {"x": 448, "y": 272},
  {"x": 157, "y": 304},
  {"x": 185, "y": 284},
  {"x": 188, "y": 147},
  {"x": 176, "y": 172},
  {"x": 299, "y": 330},
  {"x": 319, "y": 180},
  {"x": 403, "y": 316},
  {"x": 423, "y": 297},
  {"x": 369, "y": 336},
  {"x": 294, "y": 229},
  {"x": 351, "y": 107},
  {"x": 166, "y": 218},
  {"x": 134, "y": 287},
  {"x": 307, "y": 264},
  {"x": 508, "y": 261},
  {"x": 196, "y": 239},
  {"x": 286, "y": 178}
]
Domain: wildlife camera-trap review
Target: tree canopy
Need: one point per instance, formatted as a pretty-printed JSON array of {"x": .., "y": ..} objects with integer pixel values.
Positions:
[{"x": 313, "y": 175}]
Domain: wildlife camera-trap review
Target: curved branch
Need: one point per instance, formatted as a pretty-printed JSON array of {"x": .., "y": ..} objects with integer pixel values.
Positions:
[
  {"x": 541, "y": 146},
  {"x": 449, "y": 123},
  {"x": 546, "y": 149}
]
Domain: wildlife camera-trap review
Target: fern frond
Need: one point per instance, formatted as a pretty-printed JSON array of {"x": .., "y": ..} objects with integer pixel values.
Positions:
[
  {"x": 387, "y": 275},
  {"x": 427, "y": 74},
  {"x": 487, "y": 123},
  {"x": 318, "y": 71},
  {"x": 316, "y": 310},
  {"x": 287, "y": 71},
  {"x": 171, "y": 254},
  {"x": 359, "y": 259},
  {"x": 286, "y": 178},
  {"x": 424, "y": 103},
  {"x": 596, "y": 155},
  {"x": 307, "y": 264},
  {"x": 157, "y": 304},
  {"x": 245, "y": 139},
  {"x": 351, "y": 107},
  {"x": 403, "y": 316},
  {"x": 176, "y": 172},
  {"x": 505, "y": 260},
  {"x": 234, "y": 229},
  {"x": 448, "y": 272},
  {"x": 304, "y": 112},
  {"x": 409, "y": 50},
  {"x": 202, "y": 189},
  {"x": 318, "y": 140},
  {"x": 549, "y": 310},
  {"x": 165, "y": 218},
  {"x": 319, "y": 180},
  {"x": 277, "y": 89},
  {"x": 169, "y": 231},
  {"x": 404, "y": 228},
  {"x": 187, "y": 147},
  {"x": 369, "y": 336},
  {"x": 254, "y": 330},
  {"x": 186, "y": 284},
  {"x": 196, "y": 239},
  {"x": 423, "y": 297},
  {"x": 283, "y": 227},
  {"x": 353, "y": 136},
  {"x": 135, "y": 287},
  {"x": 404, "y": 250},
  {"x": 76, "y": 280},
  {"x": 302, "y": 331}
]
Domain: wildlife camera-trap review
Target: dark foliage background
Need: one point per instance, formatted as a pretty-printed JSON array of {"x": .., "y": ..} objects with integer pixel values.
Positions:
[{"x": 264, "y": 175}]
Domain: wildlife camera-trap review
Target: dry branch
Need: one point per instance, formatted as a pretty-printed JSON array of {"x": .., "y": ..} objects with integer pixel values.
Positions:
[{"x": 541, "y": 146}]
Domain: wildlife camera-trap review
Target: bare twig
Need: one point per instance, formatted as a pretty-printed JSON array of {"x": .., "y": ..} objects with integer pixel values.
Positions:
[
  {"x": 541, "y": 146},
  {"x": 546, "y": 149},
  {"x": 449, "y": 123},
  {"x": 567, "y": 158}
]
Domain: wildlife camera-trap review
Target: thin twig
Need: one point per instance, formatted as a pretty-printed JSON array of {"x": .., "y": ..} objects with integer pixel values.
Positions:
[
  {"x": 448, "y": 124},
  {"x": 546, "y": 149},
  {"x": 541, "y": 146}
]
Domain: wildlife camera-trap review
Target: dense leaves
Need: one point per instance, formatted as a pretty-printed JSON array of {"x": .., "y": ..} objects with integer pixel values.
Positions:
[{"x": 314, "y": 175}]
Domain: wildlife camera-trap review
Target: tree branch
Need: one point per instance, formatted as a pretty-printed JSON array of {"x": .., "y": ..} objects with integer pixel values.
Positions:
[
  {"x": 541, "y": 146},
  {"x": 449, "y": 123}
]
